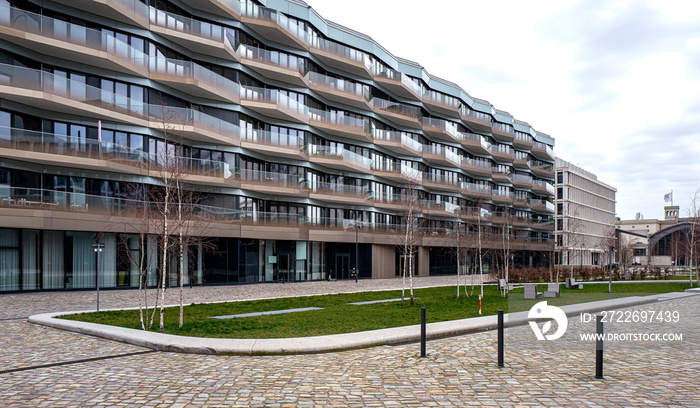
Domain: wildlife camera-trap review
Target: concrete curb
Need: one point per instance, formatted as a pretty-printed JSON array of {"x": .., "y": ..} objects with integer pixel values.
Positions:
[{"x": 329, "y": 343}]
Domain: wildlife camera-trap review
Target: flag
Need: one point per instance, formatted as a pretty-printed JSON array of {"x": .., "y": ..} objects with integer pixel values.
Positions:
[{"x": 668, "y": 198}]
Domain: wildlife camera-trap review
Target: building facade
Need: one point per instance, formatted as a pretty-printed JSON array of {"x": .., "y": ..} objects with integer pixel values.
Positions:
[
  {"x": 585, "y": 216},
  {"x": 305, "y": 142}
]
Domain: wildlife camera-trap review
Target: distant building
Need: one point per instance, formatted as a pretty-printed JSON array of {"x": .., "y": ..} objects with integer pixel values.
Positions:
[{"x": 585, "y": 215}]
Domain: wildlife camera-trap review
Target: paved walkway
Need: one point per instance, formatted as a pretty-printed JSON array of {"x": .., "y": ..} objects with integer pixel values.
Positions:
[{"x": 56, "y": 368}]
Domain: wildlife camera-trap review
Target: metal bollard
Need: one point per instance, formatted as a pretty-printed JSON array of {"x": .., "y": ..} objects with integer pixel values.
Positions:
[
  {"x": 422, "y": 332},
  {"x": 599, "y": 347},
  {"x": 500, "y": 338}
]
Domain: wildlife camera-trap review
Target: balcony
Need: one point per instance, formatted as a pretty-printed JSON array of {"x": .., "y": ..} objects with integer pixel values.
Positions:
[
  {"x": 193, "y": 171},
  {"x": 396, "y": 172},
  {"x": 273, "y": 144},
  {"x": 397, "y": 142},
  {"x": 541, "y": 205},
  {"x": 338, "y": 124},
  {"x": 271, "y": 183},
  {"x": 475, "y": 144},
  {"x": 441, "y": 103},
  {"x": 195, "y": 35},
  {"x": 476, "y": 191},
  {"x": 542, "y": 170},
  {"x": 502, "y": 197},
  {"x": 439, "y": 155},
  {"x": 274, "y": 26},
  {"x": 502, "y": 132},
  {"x": 339, "y": 193},
  {"x": 521, "y": 162},
  {"x": 522, "y": 141},
  {"x": 339, "y": 90},
  {"x": 132, "y": 12},
  {"x": 541, "y": 187},
  {"x": 477, "y": 168},
  {"x": 274, "y": 104},
  {"x": 73, "y": 42},
  {"x": 193, "y": 125},
  {"x": 339, "y": 159},
  {"x": 194, "y": 79},
  {"x": 274, "y": 64},
  {"x": 435, "y": 208},
  {"x": 399, "y": 113},
  {"x": 53, "y": 92},
  {"x": 398, "y": 83},
  {"x": 441, "y": 129},
  {"x": 440, "y": 183},
  {"x": 343, "y": 58},
  {"x": 520, "y": 201},
  {"x": 223, "y": 8},
  {"x": 542, "y": 151},
  {"x": 502, "y": 153},
  {"x": 500, "y": 176},
  {"x": 476, "y": 120},
  {"x": 521, "y": 181}
]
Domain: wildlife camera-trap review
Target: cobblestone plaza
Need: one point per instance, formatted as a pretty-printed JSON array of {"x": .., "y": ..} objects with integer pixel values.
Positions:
[{"x": 46, "y": 367}]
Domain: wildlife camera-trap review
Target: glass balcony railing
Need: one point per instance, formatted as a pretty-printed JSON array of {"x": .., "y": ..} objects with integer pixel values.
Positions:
[
  {"x": 73, "y": 34},
  {"x": 544, "y": 185},
  {"x": 478, "y": 163},
  {"x": 401, "y": 169},
  {"x": 502, "y": 127},
  {"x": 475, "y": 139},
  {"x": 341, "y": 51},
  {"x": 340, "y": 189},
  {"x": 338, "y": 119},
  {"x": 271, "y": 139},
  {"x": 334, "y": 84},
  {"x": 502, "y": 194},
  {"x": 176, "y": 119},
  {"x": 268, "y": 15},
  {"x": 398, "y": 137},
  {"x": 441, "y": 179},
  {"x": 441, "y": 125},
  {"x": 441, "y": 151},
  {"x": 338, "y": 152},
  {"x": 441, "y": 99},
  {"x": 469, "y": 113},
  {"x": 273, "y": 96},
  {"x": 476, "y": 188},
  {"x": 396, "y": 108},
  {"x": 274, "y": 58},
  {"x": 397, "y": 76},
  {"x": 268, "y": 177},
  {"x": 546, "y": 148},
  {"x": 522, "y": 178},
  {"x": 541, "y": 203},
  {"x": 186, "y": 69}
]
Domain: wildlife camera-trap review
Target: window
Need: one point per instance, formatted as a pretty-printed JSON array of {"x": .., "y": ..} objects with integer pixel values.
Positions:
[
  {"x": 560, "y": 209},
  {"x": 560, "y": 177},
  {"x": 560, "y": 193}
]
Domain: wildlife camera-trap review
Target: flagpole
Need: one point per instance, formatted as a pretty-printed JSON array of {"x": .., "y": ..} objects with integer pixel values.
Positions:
[{"x": 671, "y": 197}]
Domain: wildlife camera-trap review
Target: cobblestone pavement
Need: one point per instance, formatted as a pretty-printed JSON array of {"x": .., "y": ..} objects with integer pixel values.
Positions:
[{"x": 459, "y": 371}]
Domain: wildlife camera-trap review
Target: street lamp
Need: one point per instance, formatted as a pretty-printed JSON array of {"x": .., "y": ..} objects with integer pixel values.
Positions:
[
  {"x": 97, "y": 247},
  {"x": 612, "y": 249},
  {"x": 357, "y": 253}
]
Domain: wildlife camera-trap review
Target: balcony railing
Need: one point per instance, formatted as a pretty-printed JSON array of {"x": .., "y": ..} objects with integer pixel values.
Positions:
[
  {"x": 361, "y": 125},
  {"x": 396, "y": 108},
  {"x": 274, "y": 58},
  {"x": 344, "y": 86},
  {"x": 397, "y": 76},
  {"x": 441, "y": 125},
  {"x": 189, "y": 26},
  {"x": 271, "y": 139},
  {"x": 441, "y": 151},
  {"x": 441, "y": 98},
  {"x": 398, "y": 137},
  {"x": 544, "y": 185},
  {"x": 480, "y": 116},
  {"x": 276, "y": 97},
  {"x": 474, "y": 138},
  {"x": 541, "y": 203},
  {"x": 268, "y": 177},
  {"x": 542, "y": 146},
  {"x": 186, "y": 69},
  {"x": 337, "y": 152},
  {"x": 522, "y": 178},
  {"x": 342, "y": 51},
  {"x": 400, "y": 169},
  {"x": 339, "y": 189},
  {"x": 476, "y": 188}
]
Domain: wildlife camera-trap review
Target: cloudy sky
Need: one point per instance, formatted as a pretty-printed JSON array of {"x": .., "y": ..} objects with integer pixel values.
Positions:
[{"x": 616, "y": 83}]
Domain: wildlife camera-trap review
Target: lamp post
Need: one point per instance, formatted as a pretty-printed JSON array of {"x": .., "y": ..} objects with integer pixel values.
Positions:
[
  {"x": 357, "y": 253},
  {"x": 612, "y": 249},
  {"x": 97, "y": 247}
]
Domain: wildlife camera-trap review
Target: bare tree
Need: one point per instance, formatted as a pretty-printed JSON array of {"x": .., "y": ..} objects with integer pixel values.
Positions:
[
  {"x": 692, "y": 236},
  {"x": 413, "y": 226},
  {"x": 506, "y": 229}
]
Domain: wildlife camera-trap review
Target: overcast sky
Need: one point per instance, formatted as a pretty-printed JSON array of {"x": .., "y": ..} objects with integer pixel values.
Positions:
[{"x": 616, "y": 83}]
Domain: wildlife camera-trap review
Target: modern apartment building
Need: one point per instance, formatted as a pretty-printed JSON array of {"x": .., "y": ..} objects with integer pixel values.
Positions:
[
  {"x": 585, "y": 216},
  {"x": 305, "y": 141}
]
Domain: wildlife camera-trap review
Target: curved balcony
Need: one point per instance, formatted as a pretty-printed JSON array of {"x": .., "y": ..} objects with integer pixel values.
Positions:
[
  {"x": 441, "y": 103},
  {"x": 541, "y": 187},
  {"x": 500, "y": 176},
  {"x": 477, "y": 168},
  {"x": 342, "y": 57},
  {"x": 439, "y": 155},
  {"x": 502, "y": 153},
  {"x": 339, "y": 90},
  {"x": 440, "y": 183},
  {"x": 399, "y": 113},
  {"x": 476, "y": 120},
  {"x": 541, "y": 205},
  {"x": 193, "y": 125},
  {"x": 193, "y": 79},
  {"x": 274, "y": 144},
  {"x": 223, "y": 8},
  {"x": 542, "y": 170},
  {"x": 274, "y": 64},
  {"x": 476, "y": 191},
  {"x": 339, "y": 159},
  {"x": 398, "y": 83},
  {"x": 340, "y": 125},
  {"x": 542, "y": 151},
  {"x": 132, "y": 12},
  {"x": 274, "y": 26},
  {"x": 521, "y": 162},
  {"x": 73, "y": 42},
  {"x": 274, "y": 104},
  {"x": 397, "y": 142},
  {"x": 502, "y": 197},
  {"x": 520, "y": 201},
  {"x": 442, "y": 208},
  {"x": 394, "y": 202},
  {"x": 396, "y": 172},
  {"x": 441, "y": 129},
  {"x": 195, "y": 35},
  {"x": 521, "y": 181},
  {"x": 522, "y": 141},
  {"x": 475, "y": 144},
  {"x": 338, "y": 193},
  {"x": 502, "y": 132},
  {"x": 271, "y": 183}
]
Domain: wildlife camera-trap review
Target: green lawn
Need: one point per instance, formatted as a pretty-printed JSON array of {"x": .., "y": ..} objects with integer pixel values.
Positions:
[{"x": 339, "y": 317}]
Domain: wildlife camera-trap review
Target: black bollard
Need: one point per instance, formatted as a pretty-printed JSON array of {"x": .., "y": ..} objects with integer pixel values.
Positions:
[
  {"x": 599, "y": 347},
  {"x": 422, "y": 332},
  {"x": 500, "y": 338}
]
